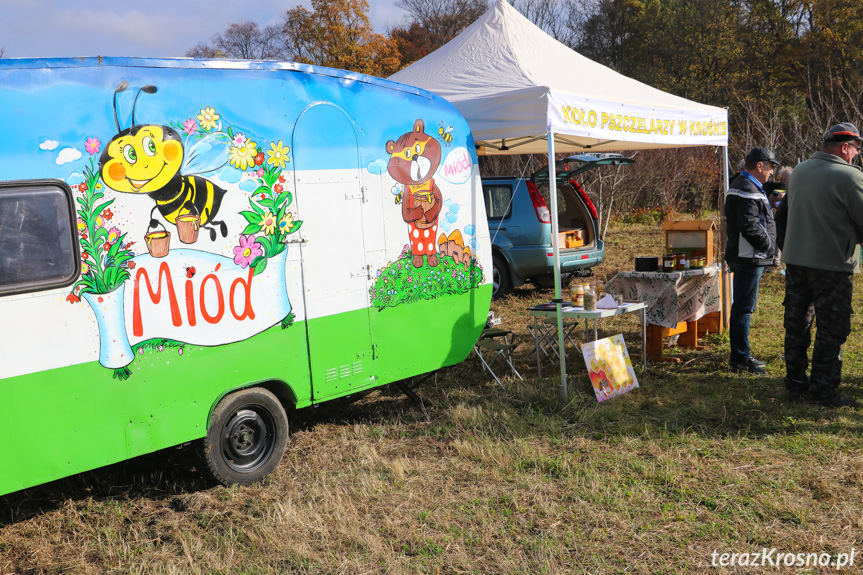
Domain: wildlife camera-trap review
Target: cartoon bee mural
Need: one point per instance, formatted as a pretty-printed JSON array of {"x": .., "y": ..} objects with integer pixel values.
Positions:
[
  {"x": 445, "y": 134},
  {"x": 151, "y": 159}
]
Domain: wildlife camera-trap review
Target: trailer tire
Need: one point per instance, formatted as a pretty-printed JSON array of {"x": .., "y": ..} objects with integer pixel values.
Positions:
[{"x": 247, "y": 437}]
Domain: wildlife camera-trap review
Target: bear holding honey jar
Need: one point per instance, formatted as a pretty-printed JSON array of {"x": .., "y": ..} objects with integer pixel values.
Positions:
[{"x": 414, "y": 159}]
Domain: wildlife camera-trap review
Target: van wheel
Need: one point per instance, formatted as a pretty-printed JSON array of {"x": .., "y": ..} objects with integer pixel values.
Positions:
[
  {"x": 501, "y": 282},
  {"x": 247, "y": 437}
]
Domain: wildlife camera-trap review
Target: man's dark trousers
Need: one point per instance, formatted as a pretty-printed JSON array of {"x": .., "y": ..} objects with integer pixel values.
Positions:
[
  {"x": 747, "y": 278},
  {"x": 830, "y": 292}
]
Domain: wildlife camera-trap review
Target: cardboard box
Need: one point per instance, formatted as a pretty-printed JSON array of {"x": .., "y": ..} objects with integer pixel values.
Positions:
[{"x": 571, "y": 238}]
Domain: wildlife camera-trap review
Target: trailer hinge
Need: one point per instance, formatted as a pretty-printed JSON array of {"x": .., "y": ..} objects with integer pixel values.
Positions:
[
  {"x": 365, "y": 271},
  {"x": 369, "y": 352},
  {"x": 361, "y": 194}
]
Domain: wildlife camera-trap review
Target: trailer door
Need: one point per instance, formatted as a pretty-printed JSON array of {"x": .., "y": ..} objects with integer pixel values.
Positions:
[{"x": 329, "y": 193}]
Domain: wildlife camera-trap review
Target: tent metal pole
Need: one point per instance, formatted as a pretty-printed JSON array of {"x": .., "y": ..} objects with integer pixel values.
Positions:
[
  {"x": 563, "y": 392},
  {"x": 724, "y": 287}
]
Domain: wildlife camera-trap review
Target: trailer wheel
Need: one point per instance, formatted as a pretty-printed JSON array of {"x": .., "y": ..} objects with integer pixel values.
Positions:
[{"x": 247, "y": 437}]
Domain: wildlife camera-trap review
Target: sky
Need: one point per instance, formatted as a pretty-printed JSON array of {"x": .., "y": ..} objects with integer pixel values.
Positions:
[{"x": 156, "y": 28}]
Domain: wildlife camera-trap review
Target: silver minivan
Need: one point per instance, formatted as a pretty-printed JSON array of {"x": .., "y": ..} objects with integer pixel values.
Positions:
[{"x": 519, "y": 222}]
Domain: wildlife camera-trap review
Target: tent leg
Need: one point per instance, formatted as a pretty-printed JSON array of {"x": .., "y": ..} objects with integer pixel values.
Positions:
[
  {"x": 563, "y": 392},
  {"x": 724, "y": 284}
]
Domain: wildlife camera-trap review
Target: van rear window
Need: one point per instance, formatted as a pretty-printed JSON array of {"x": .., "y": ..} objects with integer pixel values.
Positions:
[
  {"x": 38, "y": 246},
  {"x": 498, "y": 200}
]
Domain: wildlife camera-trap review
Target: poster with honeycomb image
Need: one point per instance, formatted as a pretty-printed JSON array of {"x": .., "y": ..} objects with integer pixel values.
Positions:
[{"x": 609, "y": 367}]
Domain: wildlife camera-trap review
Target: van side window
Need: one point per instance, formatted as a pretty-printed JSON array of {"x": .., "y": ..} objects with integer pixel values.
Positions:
[
  {"x": 498, "y": 201},
  {"x": 38, "y": 245}
]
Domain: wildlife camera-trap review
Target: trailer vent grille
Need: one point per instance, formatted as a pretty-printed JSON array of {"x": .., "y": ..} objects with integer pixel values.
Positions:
[{"x": 343, "y": 371}]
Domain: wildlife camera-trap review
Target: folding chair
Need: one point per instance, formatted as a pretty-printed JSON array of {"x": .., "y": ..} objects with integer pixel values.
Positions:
[{"x": 491, "y": 346}]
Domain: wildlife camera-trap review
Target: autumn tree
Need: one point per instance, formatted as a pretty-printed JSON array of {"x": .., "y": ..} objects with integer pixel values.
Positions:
[
  {"x": 828, "y": 61},
  {"x": 413, "y": 42},
  {"x": 337, "y": 33},
  {"x": 434, "y": 23},
  {"x": 243, "y": 41}
]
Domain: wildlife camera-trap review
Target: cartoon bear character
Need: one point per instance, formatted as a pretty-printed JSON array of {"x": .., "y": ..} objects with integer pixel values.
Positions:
[{"x": 414, "y": 159}]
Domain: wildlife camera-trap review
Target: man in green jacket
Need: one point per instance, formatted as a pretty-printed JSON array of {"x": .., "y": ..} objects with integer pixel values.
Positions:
[{"x": 821, "y": 251}]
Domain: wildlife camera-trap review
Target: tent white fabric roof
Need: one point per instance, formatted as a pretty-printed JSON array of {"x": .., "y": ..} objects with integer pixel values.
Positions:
[{"x": 515, "y": 84}]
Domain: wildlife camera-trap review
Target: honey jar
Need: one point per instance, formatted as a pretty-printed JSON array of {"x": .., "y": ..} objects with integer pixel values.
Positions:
[{"x": 669, "y": 262}]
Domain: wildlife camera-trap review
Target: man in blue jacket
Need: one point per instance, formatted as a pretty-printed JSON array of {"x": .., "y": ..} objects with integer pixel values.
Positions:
[
  {"x": 750, "y": 248},
  {"x": 822, "y": 252}
]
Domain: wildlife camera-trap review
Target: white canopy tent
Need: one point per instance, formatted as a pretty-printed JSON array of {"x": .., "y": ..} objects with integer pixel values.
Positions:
[{"x": 524, "y": 92}]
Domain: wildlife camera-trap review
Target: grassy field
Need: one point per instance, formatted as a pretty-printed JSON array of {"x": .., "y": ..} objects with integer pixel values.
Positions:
[{"x": 482, "y": 480}]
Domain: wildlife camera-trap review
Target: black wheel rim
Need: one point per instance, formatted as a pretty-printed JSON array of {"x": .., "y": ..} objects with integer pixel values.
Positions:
[
  {"x": 495, "y": 280},
  {"x": 248, "y": 438}
]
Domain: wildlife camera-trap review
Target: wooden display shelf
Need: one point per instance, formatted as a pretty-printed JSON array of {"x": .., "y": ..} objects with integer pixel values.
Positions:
[{"x": 689, "y": 331}]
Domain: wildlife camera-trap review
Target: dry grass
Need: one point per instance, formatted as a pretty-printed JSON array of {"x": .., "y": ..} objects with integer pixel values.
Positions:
[{"x": 485, "y": 481}]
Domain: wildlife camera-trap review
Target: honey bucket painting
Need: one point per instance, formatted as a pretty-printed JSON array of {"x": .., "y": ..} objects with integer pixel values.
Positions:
[
  {"x": 187, "y": 228},
  {"x": 158, "y": 243},
  {"x": 609, "y": 367},
  {"x": 426, "y": 201}
]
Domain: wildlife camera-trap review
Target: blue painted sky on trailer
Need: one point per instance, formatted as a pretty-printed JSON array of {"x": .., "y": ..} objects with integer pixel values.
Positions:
[
  {"x": 157, "y": 28},
  {"x": 54, "y": 113}
]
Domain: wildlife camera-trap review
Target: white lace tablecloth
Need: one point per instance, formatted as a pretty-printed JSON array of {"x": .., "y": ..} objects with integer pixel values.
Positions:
[{"x": 671, "y": 297}]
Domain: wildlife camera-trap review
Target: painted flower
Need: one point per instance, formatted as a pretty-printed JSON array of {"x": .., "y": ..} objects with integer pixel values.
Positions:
[
  {"x": 281, "y": 179},
  {"x": 130, "y": 265},
  {"x": 180, "y": 351},
  {"x": 268, "y": 223},
  {"x": 277, "y": 155},
  {"x": 101, "y": 300},
  {"x": 113, "y": 236},
  {"x": 107, "y": 213},
  {"x": 260, "y": 173},
  {"x": 82, "y": 187},
  {"x": 92, "y": 146},
  {"x": 190, "y": 126},
  {"x": 82, "y": 225},
  {"x": 243, "y": 157},
  {"x": 85, "y": 255},
  {"x": 239, "y": 140},
  {"x": 278, "y": 188},
  {"x": 208, "y": 118},
  {"x": 286, "y": 222},
  {"x": 72, "y": 298},
  {"x": 85, "y": 268},
  {"x": 247, "y": 251},
  {"x": 106, "y": 246},
  {"x": 259, "y": 159}
]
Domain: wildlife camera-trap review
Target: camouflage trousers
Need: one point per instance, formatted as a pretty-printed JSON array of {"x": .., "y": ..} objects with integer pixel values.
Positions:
[{"x": 826, "y": 297}]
